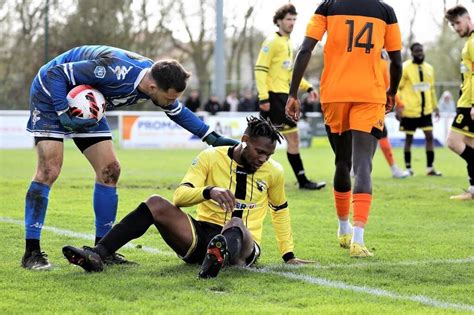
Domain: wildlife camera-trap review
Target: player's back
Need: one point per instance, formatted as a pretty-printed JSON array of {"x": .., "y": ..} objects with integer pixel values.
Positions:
[{"x": 357, "y": 31}]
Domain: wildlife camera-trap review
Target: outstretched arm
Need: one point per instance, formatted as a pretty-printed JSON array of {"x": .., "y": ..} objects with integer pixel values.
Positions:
[
  {"x": 293, "y": 106},
  {"x": 395, "y": 76}
]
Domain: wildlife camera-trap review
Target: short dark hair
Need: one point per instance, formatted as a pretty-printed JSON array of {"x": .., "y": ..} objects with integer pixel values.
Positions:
[
  {"x": 283, "y": 11},
  {"x": 412, "y": 46},
  {"x": 455, "y": 12},
  {"x": 260, "y": 127},
  {"x": 170, "y": 74}
]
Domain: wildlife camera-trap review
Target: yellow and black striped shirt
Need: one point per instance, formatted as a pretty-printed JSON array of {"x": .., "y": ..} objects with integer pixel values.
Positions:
[
  {"x": 274, "y": 67},
  {"x": 256, "y": 194},
  {"x": 467, "y": 87}
]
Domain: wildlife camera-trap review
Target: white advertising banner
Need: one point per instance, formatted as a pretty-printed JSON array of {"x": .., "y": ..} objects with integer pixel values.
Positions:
[
  {"x": 13, "y": 134},
  {"x": 440, "y": 130},
  {"x": 156, "y": 131},
  {"x": 232, "y": 127}
]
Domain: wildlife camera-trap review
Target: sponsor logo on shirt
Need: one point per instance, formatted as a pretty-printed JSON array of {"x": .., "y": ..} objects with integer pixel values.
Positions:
[
  {"x": 99, "y": 72},
  {"x": 244, "y": 206},
  {"x": 120, "y": 71}
]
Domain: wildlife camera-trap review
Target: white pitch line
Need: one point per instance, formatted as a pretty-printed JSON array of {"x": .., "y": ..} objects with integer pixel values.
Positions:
[
  {"x": 375, "y": 264},
  {"x": 88, "y": 237},
  {"x": 293, "y": 276},
  {"x": 367, "y": 290}
]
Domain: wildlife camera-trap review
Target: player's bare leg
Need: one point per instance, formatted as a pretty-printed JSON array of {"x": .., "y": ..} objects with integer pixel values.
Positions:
[
  {"x": 50, "y": 160},
  {"x": 464, "y": 147},
  {"x": 172, "y": 223},
  {"x": 342, "y": 147}
]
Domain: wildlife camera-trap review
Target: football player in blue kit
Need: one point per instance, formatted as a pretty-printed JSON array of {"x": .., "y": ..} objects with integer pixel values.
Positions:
[{"x": 124, "y": 78}]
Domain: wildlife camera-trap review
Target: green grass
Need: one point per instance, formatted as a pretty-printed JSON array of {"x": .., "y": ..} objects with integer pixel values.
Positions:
[{"x": 415, "y": 231}]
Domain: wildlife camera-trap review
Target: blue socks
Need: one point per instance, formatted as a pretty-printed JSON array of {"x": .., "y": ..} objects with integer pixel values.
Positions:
[
  {"x": 105, "y": 208},
  {"x": 36, "y": 202}
]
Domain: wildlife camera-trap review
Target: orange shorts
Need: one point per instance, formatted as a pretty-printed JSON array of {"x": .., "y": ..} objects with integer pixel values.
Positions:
[{"x": 366, "y": 117}]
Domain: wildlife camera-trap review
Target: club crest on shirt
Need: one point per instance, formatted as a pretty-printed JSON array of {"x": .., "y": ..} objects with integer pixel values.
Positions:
[
  {"x": 265, "y": 49},
  {"x": 195, "y": 162},
  {"x": 261, "y": 185},
  {"x": 99, "y": 72},
  {"x": 286, "y": 64}
]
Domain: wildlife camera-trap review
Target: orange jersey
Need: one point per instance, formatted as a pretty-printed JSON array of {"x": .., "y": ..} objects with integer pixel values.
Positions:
[{"x": 357, "y": 30}]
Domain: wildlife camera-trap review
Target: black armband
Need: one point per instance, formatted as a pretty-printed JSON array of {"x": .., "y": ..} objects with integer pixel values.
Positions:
[
  {"x": 206, "y": 193},
  {"x": 288, "y": 256}
]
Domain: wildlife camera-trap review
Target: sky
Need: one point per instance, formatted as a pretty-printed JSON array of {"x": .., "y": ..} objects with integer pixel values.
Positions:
[{"x": 429, "y": 14}]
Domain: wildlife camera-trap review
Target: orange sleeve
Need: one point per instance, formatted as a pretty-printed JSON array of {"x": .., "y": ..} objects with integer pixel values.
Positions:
[
  {"x": 316, "y": 27},
  {"x": 393, "y": 37}
]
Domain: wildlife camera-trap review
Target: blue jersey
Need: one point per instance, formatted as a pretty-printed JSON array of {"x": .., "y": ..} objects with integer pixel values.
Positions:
[{"x": 115, "y": 72}]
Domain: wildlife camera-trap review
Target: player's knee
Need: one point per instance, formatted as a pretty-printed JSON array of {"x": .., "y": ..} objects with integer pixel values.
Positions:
[
  {"x": 235, "y": 222},
  {"x": 111, "y": 173},
  {"x": 158, "y": 206},
  {"x": 47, "y": 174},
  {"x": 452, "y": 144},
  {"x": 429, "y": 137}
]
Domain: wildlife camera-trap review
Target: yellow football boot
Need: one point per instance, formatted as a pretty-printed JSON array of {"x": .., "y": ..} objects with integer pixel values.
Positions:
[
  {"x": 359, "y": 251},
  {"x": 345, "y": 240}
]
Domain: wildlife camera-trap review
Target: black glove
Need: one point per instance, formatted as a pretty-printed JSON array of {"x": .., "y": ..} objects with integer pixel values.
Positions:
[
  {"x": 77, "y": 124},
  {"x": 216, "y": 140}
]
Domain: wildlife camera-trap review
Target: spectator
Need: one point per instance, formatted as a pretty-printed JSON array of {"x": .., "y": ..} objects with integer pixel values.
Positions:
[
  {"x": 193, "y": 102},
  {"x": 231, "y": 102},
  {"x": 213, "y": 106},
  {"x": 446, "y": 103},
  {"x": 248, "y": 103}
]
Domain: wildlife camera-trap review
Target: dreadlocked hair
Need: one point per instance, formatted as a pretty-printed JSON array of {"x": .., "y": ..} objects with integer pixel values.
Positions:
[{"x": 260, "y": 127}]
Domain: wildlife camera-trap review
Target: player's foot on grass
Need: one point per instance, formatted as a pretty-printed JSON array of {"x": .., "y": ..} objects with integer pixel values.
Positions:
[
  {"x": 399, "y": 173},
  {"x": 432, "y": 172},
  {"x": 35, "y": 260},
  {"x": 215, "y": 258},
  {"x": 117, "y": 259},
  {"x": 410, "y": 172},
  {"x": 309, "y": 185},
  {"x": 463, "y": 197},
  {"x": 344, "y": 240},
  {"x": 84, "y": 257},
  {"x": 359, "y": 251}
]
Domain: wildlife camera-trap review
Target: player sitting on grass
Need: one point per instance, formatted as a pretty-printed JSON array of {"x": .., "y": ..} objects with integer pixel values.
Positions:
[{"x": 234, "y": 187}]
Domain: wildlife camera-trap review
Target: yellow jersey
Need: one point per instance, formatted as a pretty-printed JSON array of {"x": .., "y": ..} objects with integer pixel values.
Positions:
[
  {"x": 256, "y": 194},
  {"x": 417, "y": 89},
  {"x": 274, "y": 67},
  {"x": 467, "y": 87}
]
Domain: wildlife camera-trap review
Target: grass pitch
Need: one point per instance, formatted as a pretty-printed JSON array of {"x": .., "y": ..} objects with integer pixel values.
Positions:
[{"x": 423, "y": 245}]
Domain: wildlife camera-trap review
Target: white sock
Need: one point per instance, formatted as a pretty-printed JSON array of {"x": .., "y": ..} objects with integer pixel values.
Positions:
[
  {"x": 358, "y": 236},
  {"x": 344, "y": 227},
  {"x": 394, "y": 167},
  {"x": 471, "y": 189}
]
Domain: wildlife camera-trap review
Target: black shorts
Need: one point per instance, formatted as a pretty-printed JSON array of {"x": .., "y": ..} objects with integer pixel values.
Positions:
[
  {"x": 203, "y": 233},
  {"x": 463, "y": 123},
  {"x": 81, "y": 143},
  {"x": 384, "y": 132},
  {"x": 277, "y": 112},
  {"x": 409, "y": 125}
]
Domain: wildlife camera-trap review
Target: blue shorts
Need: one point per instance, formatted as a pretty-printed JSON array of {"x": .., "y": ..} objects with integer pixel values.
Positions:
[{"x": 44, "y": 122}]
